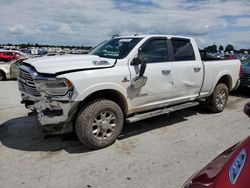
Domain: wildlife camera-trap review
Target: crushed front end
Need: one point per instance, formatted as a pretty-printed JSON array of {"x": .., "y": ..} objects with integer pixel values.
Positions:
[{"x": 49, "y": 97}]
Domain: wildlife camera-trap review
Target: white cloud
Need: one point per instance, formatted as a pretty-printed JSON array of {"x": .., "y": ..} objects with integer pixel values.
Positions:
[
  {"x": 16, "y": 29},
  {"x": 66, "y": 29},
  {"x": 242, "y": 22},
  {"x": 89, "y": 22}
]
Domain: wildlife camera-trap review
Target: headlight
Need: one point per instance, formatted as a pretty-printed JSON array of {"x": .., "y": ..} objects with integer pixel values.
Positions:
[{"x": 55, "y": 86}]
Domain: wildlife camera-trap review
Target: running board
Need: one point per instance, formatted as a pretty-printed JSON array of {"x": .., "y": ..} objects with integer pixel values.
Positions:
[{"x": 158, "y": 112}]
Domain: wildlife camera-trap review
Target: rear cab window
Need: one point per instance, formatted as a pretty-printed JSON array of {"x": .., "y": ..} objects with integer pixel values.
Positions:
[{"x": 182, "y": 49}]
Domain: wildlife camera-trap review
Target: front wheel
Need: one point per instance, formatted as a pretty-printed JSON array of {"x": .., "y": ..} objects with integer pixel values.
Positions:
[
  {"x": 99, "y": 123},
  {"x": 218, "y": 100}
]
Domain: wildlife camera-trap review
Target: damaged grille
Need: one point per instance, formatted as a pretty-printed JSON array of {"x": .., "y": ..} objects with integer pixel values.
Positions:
[{"x": 26, "y": 83}]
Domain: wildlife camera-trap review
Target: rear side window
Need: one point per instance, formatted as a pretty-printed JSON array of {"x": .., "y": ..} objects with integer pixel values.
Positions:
[
  {"x": 183, "y": 50},
  {"x": 154, "y": 50}
]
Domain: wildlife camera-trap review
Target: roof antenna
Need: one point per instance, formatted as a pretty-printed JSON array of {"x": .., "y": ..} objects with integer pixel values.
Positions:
[{"x": 114, "y": 36}]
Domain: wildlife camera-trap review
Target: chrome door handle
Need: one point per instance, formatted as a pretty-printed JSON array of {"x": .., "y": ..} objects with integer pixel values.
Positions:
[
  {"x": 166, "y": 72},
  {"x": 197, "y": 69}
]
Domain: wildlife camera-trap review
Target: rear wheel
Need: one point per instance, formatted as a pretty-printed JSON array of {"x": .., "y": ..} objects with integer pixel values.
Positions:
[
  {"x": 99, "y": 123},
  {"x": 218, "y": 100}
]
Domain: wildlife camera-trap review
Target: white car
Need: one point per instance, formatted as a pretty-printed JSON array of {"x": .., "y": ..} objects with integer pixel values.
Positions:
[
  {"x": 9, "y": 70},
  {"x": 126, "y": 78}
]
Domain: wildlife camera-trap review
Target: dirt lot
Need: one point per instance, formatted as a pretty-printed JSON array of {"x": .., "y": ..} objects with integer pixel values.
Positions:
[{"x": 159, "y": 152}]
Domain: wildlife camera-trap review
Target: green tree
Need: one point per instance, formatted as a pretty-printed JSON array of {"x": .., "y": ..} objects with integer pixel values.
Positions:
[
  {"x": 212, "y": 48},
  {"x": 221, "y": 48},
  {"x": 229, "y": 48}
]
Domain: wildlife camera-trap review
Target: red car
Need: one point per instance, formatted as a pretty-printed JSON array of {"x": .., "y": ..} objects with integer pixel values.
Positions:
[
  {"x": 231, "y": 169},
  {"x": 9, "y": 55},
  {"x": 230, "y": 57}
]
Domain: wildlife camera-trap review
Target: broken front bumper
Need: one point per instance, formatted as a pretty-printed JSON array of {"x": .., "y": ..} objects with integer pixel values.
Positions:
[
  {"x": 49, "y": 97},
  {"x": 54, "y": 116}
]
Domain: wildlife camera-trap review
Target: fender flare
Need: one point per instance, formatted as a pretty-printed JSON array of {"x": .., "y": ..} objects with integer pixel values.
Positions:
[
  {"x": 223, "y": 73},
  {"x": 100, "y": 87}
]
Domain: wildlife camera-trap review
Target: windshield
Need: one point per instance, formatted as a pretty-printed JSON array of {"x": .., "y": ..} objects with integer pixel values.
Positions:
[
  {"x": 246, "y": 62},
  {"x": 117, "y": 48}
]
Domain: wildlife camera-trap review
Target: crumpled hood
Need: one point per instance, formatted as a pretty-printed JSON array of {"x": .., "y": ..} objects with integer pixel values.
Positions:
[{"x": 67, "y": 63}]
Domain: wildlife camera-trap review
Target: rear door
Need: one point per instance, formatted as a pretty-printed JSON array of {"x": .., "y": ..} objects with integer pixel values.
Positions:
[
  {"x": 158, "y": 72},
  {"x": 187, "y": 71}
]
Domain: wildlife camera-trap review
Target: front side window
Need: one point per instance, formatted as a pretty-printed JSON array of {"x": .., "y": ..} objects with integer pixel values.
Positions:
[
  {"x": 183, "y": 50},
  {"x": 154, "y": 50},
  {"x": 117, "y": 48}
]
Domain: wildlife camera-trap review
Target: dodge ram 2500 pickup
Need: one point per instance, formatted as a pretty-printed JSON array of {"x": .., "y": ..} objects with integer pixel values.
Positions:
[{"x": 125, "y": 79}]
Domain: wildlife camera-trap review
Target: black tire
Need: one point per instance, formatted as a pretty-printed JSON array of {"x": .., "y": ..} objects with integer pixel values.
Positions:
[
  {"x": 2, "y": 75},
  {"x": 93, "y": 123},
  {"x": 218, "y": 100}
]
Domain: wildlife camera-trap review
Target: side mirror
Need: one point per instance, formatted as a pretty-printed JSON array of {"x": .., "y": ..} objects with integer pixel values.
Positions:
[
  {"x": 142, "y": 62},
  {"x": 140, "y": 80},
  {"x": 136, "y": 61},
  {"x": 143, "y": 68}
]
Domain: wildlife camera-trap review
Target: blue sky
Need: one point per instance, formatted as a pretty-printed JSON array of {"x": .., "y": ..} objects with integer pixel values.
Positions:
[{"x": 83, "y": 22}]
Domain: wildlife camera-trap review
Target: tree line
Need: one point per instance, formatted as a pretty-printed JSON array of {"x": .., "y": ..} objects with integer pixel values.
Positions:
[{"x": 213, "y": 49}]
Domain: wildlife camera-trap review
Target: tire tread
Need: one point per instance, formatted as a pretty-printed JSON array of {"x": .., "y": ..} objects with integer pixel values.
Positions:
[{"x": 85, "y": 114}]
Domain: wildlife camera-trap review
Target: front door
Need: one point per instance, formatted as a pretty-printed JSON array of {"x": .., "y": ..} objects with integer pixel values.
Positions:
[{"x": 159, "y": 75}]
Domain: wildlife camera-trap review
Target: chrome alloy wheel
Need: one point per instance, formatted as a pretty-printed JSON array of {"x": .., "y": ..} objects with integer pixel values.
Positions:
[
  {"x": 221, "y": 99},
  {"x": 104, "y": 125}
]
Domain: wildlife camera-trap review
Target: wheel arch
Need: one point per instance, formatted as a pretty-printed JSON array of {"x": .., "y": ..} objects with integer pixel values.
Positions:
[
  {"x": 227, "y": 80},
  {"x": 109, "y": 94}
]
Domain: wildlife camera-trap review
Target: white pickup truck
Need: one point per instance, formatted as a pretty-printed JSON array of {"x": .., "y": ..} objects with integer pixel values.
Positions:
[{"x": 124, "y": 79}]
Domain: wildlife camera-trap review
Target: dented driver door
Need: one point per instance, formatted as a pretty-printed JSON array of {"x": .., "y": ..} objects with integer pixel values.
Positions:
[{"x": 158, "y": 74}]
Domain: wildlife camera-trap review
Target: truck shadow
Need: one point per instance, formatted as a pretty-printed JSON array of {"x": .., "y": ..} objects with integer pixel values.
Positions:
[
  {"x": 157, "y": 122},
  {"x": 23, "y": 133}
]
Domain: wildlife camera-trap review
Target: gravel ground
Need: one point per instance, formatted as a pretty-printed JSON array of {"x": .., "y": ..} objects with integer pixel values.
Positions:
[{"x": 160, "y": 152}]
